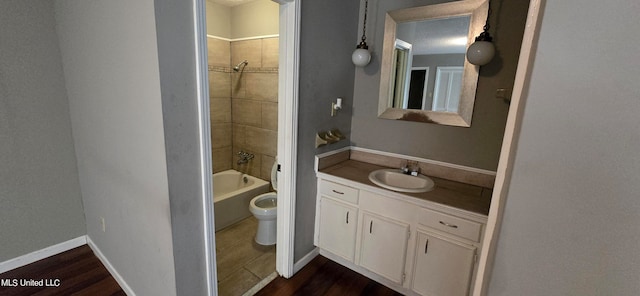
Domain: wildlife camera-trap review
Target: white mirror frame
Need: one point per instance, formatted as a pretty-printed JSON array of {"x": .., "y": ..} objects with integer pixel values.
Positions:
[{"x": 478, "y": 10}]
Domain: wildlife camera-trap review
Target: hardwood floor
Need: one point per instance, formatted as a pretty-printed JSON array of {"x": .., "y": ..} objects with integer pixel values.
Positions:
[
  {"x": 78, "y": 270},
  {"x": 325, "y": 277}
]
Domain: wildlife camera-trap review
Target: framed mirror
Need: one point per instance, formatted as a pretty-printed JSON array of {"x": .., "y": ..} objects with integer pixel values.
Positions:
[{"x": 424, "y": 73}]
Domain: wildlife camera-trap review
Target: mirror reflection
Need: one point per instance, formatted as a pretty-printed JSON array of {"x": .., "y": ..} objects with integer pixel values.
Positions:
[
  {"x": 425, "y": 75},
  {"x": 429, "y": 59}
]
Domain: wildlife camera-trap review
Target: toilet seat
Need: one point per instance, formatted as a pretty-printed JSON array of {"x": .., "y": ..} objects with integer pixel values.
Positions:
[
  {"x": 265, "y": 208},
  {"x": 267, "y": 203},
  {"x": 264, "y": 205}
]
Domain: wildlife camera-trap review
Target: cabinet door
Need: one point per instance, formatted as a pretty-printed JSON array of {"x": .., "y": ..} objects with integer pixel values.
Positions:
[
  {"x": 442, "y": 267},
  {"x": 384, "y": 246},
  {"x": 338, "y": 224}
]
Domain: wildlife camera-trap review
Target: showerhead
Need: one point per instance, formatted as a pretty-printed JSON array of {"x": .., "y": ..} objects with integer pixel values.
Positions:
[{"x": 241, "y": 64}]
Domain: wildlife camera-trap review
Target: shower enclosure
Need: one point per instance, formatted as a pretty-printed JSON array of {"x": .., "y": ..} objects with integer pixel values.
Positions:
[{"x": 243, "y": 87}]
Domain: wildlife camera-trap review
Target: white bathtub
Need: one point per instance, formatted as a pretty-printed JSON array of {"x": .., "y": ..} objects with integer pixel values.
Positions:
[{"x": 232, "y": 192}]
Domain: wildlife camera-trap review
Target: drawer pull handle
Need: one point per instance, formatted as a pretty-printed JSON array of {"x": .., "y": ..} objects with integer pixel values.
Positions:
[
  {"x": 426, "y": 246},
  {"x": 448, "y": 225},
  {"x": 338, "y": 192},
  {"x": 347, "y": 217},
  {"x": 370, "y": 226}
]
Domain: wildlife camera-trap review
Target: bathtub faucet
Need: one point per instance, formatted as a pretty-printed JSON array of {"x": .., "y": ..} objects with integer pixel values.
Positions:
[{"x": 244, "y": 157}]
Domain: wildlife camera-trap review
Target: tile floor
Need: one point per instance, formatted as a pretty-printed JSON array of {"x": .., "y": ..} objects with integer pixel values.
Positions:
[{"x": 241, "y": 262}]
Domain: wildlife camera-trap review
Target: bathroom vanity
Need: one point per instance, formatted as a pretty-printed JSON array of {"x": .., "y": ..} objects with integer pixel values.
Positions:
[{"x": 415, "y": 243}]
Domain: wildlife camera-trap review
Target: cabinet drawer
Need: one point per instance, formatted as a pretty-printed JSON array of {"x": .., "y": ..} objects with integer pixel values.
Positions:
[
  {"x": 450, "y": 224},
  {"x": 339, "y": 191}
]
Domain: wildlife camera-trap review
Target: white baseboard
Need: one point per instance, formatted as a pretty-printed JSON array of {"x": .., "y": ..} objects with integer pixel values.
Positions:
[
  {"x": 305, "y": 260},
  {"x": 125, "y": 287},
  {"x": 43, "y": 253},
  {"x": 63, "y": 247}
]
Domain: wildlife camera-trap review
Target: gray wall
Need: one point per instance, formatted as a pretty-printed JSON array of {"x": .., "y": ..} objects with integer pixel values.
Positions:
[
  {"x": 176, "y": 56},
  {"x": 477, "y": 146},
  {"x": 327, "y": 40},
  {"x": 110, "y": 59},
  {"x": 572, "y": 216},
  {"x": 40, "y": 202}
]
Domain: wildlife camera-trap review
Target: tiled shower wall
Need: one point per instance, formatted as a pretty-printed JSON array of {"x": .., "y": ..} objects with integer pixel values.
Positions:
[
  {"x": 244, "y": 104},
  {"x": 220, "y": 103}
]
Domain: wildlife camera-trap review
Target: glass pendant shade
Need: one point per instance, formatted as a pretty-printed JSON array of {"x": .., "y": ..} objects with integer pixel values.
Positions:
[
  {"x": 361, "y": 57},
  {"x": 481, "y": 52}
]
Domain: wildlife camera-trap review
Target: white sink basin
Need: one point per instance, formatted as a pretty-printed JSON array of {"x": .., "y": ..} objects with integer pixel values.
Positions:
[{"x": 395, "y": 180}]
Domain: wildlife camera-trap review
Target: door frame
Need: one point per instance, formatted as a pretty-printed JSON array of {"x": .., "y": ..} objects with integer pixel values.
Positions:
[
  {"x": 287, "y": 137},
  {"x": 509, "y": 147},
  {"x": 288, "y": 57}
]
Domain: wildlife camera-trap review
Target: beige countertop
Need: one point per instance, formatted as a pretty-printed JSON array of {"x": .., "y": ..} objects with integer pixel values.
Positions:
[{"x": 450, "y": 193}]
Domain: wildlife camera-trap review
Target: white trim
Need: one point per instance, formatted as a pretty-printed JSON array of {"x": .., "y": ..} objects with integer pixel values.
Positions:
[
  {"x": 244, "y": 38},
  {"x": 218, "y": 37},
  {"x": 508, "y": 151},
  {"x": 204, "y": 126},
  {"x": 287, "y": 135},
  {"x": 401, "y": 44},
  {"x": 306, "y": 259},
  {"x": 425, "y": 160},
  {"x": 255, "y": 37},
  {"x": 42, "y": 253},
  {"x": 114, "y": 273}
]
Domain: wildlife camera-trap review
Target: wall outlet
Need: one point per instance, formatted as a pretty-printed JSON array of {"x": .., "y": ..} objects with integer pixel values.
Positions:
[{"x": 104, "y": 227}]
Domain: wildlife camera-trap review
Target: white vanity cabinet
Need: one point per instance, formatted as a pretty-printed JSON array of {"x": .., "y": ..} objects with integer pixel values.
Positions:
[
  {"x": 413, "y": 246},
  {"x": 338, "y": 227},
  {"x": 442, "y": 266},
  {"x": 338, "y": 219},
  {"x": 445, "y": 254},
  {"x": 383, "y": 246}
]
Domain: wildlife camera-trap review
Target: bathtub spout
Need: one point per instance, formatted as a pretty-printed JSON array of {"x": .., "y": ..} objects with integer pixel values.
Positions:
[{"x": 244, "y": 157}]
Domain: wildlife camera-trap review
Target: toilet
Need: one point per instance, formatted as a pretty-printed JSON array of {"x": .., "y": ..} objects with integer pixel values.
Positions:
[{"x": 263, "y": 207}]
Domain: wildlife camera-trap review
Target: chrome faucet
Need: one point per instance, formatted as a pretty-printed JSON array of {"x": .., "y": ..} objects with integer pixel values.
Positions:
[
  {"x": 410, "y": 168},
  {"x": 405, "y": 167},
  {"x": 244, "y": 157}
]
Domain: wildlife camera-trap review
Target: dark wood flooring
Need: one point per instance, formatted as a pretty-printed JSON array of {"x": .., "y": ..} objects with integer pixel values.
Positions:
[
  {"x": 325, "y": 277},
  {"x": 78, "y": 270}
]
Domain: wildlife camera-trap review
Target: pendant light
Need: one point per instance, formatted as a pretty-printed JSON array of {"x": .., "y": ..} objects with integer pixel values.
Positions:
[
  {"x": 361, "y": 56},
  {"x": 482, "y": 50}
]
